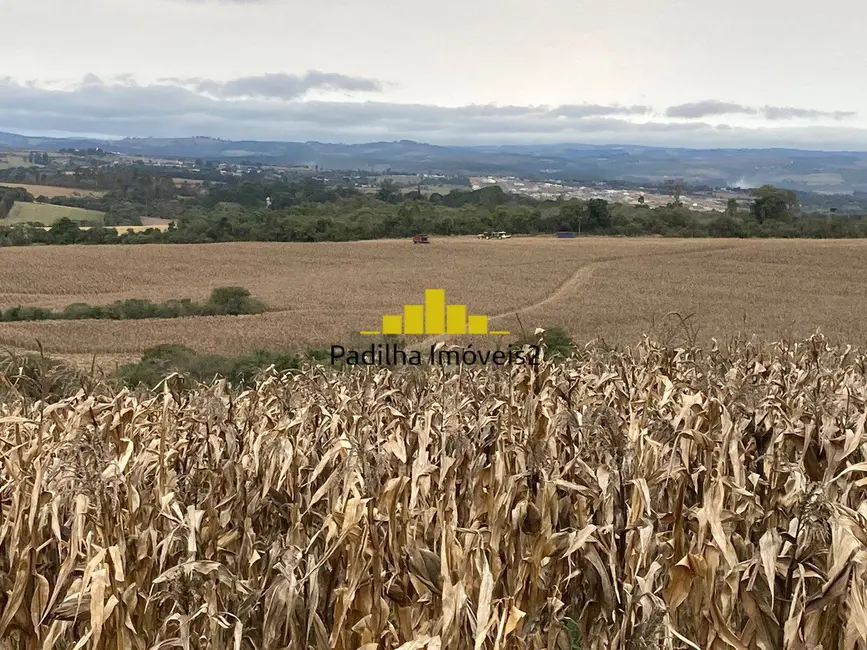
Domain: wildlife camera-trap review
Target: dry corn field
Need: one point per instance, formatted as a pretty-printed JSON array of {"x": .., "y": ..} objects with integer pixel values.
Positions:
[
  {"x": 650, "y": 498},
  {"x": 321, "y": 294}
]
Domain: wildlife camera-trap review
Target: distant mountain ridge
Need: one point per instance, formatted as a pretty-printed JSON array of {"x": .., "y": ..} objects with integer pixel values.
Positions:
[{"x": 823, "y": 171}]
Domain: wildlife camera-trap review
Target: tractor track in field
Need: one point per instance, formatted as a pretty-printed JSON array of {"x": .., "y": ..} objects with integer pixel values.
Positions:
[
  {"x": 578, "y": 279},
  {"x": 575, "y": 281}
]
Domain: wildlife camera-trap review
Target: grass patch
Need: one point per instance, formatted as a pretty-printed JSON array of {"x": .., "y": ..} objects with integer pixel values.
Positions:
[{"x": 47, "y": 214}]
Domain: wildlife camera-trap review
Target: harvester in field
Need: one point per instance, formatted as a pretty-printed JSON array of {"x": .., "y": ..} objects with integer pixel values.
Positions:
[{"x": 420, "y": 239}]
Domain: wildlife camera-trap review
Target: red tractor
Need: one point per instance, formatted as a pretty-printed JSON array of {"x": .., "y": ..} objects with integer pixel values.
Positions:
[{"x": 420, "y": 239}]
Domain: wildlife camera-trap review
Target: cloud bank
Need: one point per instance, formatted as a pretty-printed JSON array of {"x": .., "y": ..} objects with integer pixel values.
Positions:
[
  {"x": 712, "y": 107},
  {"x": 287, "y": 107},
  {"x": 277, "y": 86}
]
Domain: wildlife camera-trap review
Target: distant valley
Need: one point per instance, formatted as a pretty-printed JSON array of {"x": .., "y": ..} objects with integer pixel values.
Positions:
[{"x": 805, "y": 171}]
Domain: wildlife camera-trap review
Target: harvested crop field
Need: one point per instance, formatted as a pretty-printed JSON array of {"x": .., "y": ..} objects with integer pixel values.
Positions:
[
  {"x": 154, "y": 222},
  {"x": 647, "y": 500},
  {"x": 324, "y": 293}
]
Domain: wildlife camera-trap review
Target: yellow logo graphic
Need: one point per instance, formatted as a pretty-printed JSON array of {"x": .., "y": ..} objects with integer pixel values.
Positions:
[{"x": 434, "y": 317}]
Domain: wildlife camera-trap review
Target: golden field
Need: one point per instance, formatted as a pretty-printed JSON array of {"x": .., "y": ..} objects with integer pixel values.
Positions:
[
  {"x": 651, "y": 499},
  {"x": 324, "y": 293}
]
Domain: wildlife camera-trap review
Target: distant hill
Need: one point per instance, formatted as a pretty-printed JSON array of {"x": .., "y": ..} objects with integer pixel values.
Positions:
[{"x": 817, "y": 171}]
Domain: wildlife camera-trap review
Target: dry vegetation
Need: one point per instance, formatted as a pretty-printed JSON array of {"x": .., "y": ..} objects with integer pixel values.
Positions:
[
  {"x": 323, "y": 293},
  {"x": 155, "y": 222},
  {"x": 658, "y": 498}
]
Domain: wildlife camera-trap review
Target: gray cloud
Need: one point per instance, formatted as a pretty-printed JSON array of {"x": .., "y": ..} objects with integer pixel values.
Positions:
[
  {"x": 787, "y": 113},
  {"x": 589, "y": 110},
  {"x": 709, "y": 108},
  {"x": 268, "y": 108},
  {"x": 278, "y": 86},
  {"x": 713, "y": 107}
]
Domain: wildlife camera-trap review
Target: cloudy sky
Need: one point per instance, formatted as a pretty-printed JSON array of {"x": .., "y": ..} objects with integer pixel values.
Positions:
[{"x": 674, "y": 72}]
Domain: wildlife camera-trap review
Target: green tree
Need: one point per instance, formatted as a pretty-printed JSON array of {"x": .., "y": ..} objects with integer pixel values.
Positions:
[
  {"x": 388, "y": 191},
  {"x": 732, "y": 207},
  {"x": 234, "y": 301},
  {"x": 773, "y": 204},
  {"x": 598, "y": 215},
  {"x": 65, "y": 231},
  {"x": 572, "y": 216}
]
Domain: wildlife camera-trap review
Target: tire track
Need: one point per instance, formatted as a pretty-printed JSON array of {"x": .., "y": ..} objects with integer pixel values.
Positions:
[{"x": 576, "y": 281}]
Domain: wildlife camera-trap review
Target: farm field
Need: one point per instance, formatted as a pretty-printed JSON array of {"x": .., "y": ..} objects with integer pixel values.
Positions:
[
  {"x": 52, "y": 191},
  {"x": 147, "y": 224},
  {"x": 615, "y": 500},
  {"x": 324, "y": 293},
  {"x": 47, "y": 214},
  {"x": 10, "y": 159}
]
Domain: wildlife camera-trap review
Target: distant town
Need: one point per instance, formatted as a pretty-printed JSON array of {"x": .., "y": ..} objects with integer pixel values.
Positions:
[
  {"x": 704, "y": 201},
  {"x": 194, "y": 175}
]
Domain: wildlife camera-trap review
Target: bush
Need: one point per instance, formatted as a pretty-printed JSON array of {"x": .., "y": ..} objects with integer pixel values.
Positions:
[
  {"x": 555, "y": 340},
  {"x": 80, "y": 311},
  {"x": 234, "y": 301},
  {"x": 160, "y": 361},
  {"x": 38, "y": 377},
  {"x": 26, "y": 313}
]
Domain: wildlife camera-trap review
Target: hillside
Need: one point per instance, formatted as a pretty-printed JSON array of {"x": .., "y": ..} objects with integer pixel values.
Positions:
[{"x": 839, "y": 172}]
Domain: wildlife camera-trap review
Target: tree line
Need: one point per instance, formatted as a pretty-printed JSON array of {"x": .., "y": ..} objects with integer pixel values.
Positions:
[
  {"x": 224, "y": 301},
  {"x": 310, "y": 210}
]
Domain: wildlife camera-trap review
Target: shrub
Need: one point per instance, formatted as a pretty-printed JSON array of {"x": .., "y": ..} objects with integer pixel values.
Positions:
[
  {"x": 38, "y": 377},
  {"x": 80, "y": 311},
  {"x": 160, "y": 361},
  {"x": 555, "y": 340},
  {"x": 234, "y": 301},
  {"x": 223, "y": 300}
]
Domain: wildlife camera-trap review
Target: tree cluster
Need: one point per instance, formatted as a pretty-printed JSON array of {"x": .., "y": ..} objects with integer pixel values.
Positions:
[
  {"x": 310, "y": 210},
  {"x": 231, "y": 301},
  {"x": 8, "y": 197},
  {"x": 160, "y": 361}
]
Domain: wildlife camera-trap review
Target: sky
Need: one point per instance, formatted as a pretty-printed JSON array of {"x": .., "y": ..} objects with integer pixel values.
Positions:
[{"x": 740, "y": 73}]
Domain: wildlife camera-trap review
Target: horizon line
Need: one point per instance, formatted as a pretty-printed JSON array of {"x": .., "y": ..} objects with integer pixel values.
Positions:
[{"x": 118, "y": 138}]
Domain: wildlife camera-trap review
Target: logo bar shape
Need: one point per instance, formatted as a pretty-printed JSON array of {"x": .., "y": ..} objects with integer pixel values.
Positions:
[{"x": 434, "y": 317}]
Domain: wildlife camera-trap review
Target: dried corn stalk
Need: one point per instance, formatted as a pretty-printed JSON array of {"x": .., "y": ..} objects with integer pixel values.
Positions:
[{"x": 652, "y": 498}]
